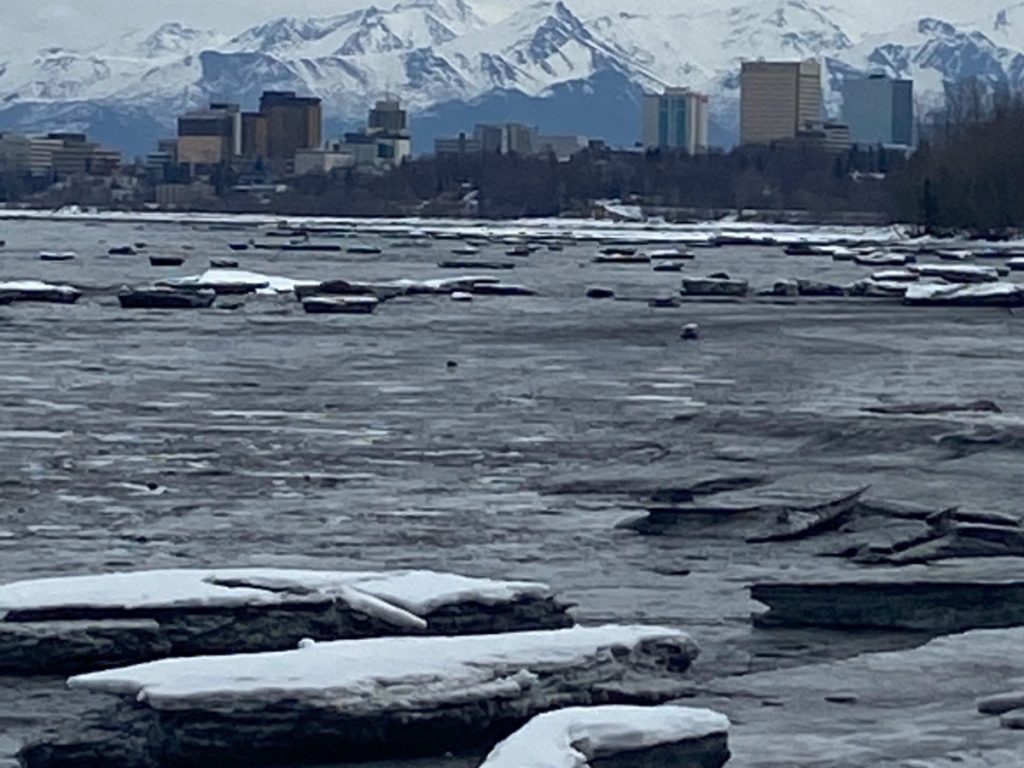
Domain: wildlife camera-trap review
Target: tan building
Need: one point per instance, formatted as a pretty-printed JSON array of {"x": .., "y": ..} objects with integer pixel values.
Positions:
[
  {"x": 254, "y": 135},
  {"x": 293, "y": 123},
  {"x": 41, "y": 152},
  {"x": 778, "y": 98},
  {"x": 71, "y": 154},
  {"x": 208, "y": 137}
]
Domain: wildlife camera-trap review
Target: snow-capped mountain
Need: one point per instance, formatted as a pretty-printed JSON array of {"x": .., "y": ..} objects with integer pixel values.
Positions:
[{"x": 445, "y": 61}]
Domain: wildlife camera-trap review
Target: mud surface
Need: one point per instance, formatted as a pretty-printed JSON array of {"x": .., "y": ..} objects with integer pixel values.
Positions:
[{"x": 263, "y": 436}]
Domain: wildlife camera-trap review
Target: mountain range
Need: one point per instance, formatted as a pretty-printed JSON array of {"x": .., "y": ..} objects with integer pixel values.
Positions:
[{"x": 568, "y": 66}]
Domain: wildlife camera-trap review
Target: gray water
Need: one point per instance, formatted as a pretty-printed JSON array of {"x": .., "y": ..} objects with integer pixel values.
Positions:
[{"x": 263, "y": 436}]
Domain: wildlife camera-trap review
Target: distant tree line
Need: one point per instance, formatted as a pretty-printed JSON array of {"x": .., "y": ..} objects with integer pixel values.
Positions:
[
  {"x": 968, "y": 172},
  {"x": 766, "y": 178}
]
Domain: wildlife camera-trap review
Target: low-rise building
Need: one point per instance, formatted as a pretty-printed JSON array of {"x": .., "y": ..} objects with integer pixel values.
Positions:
[
  {"x": 183, "y": 195},
  {"x": 833, "y": 137},
  {"x": 562, "y": 147},
  {"x": 323, "y": 161},
  {"x": 459, "y": 145},
  {"x": 66, "y": 155},
  {"x": 510, "y": 138}
]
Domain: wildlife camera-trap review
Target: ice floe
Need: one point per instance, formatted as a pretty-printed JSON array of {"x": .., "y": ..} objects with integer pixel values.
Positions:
[
  {"x": 382, "y": 697},
  {"x": 571, "y": 738}
]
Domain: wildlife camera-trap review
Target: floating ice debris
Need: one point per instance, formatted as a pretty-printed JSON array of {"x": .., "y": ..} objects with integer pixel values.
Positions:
[
  {"x": 954, "y": 254},
  {"x": 896, "y": 276},
  {"x": 782, "y": 288},
  {"x": 999, "y": 294},
  {"x": 165, "y": 297},
  {"x": 363, "y": 250},
  {"x": 382, "y": 696},
  {"x": 617, "y": 257},
  {"x": 884, "y": 259},
  {"x": 459, "y": 264},
  {"x": 668, "y": 266},
  {"x": 663, "y": 302},
  {"x": 220, "y": 611},
  {"x": 166, "y": 261},
  {"x": 670, "y": 253},
  {"x": 502, "y": 289},
  {"x": 959, "y": 273},
  {"x": 878, "y": 289},
  {"x": 236, "y": 281},
  {"x": 715, "y": 285},
  {"x": 571, "y": 738},
  {"x": 946, "y": 597},
  {"x": 818, "y": 288},
  {"x": 57, "y": 256},
  {"x": 340, "y": 305},
  {"x": 37, "y": 290}
]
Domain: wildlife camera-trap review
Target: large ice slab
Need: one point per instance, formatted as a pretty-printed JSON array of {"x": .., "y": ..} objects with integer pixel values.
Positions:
[
  {"x": 951, "y": 596},
  {"x": 367, "y": 698},
  {"x": 37, "y": 290},
  {"x": 999, "y": 294},
  {"x": 574, "y": 737},
  {"x": 238, "y": 281},
  {"x": 200, "y": 611}
]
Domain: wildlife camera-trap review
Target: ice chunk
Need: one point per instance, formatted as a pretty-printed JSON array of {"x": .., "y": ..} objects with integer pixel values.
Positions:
[
  {"x": 570, "y": 738},
  {"x": 380, "y": 673},
  {"x": 417, "y": 592}
]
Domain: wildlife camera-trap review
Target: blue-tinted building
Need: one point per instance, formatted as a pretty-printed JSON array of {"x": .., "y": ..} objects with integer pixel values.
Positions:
[
  {"x": 879, "y": 110},
  {"x": 676, "y": 119}
]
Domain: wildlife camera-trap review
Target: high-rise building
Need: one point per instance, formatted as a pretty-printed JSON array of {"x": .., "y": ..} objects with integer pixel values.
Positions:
[
  {"x": 254, "y": 135},
  {"x": 388, "y": 118},
  {"x": 879, "y": 110},
  {"x": 233, "y": 113},
  {"x": 208, "y": 137},
  {"x": 676, "y": 119},
  {"x": 778, "y": 98},
  {"x": 293, "y": 123}
]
